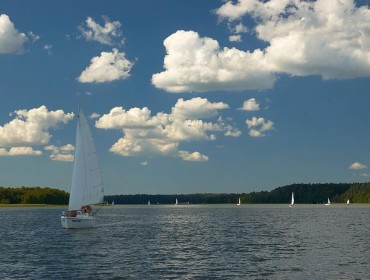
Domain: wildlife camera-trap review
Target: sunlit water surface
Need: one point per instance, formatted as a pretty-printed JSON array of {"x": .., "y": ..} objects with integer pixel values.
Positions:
[{"x": 189, "y": 242}]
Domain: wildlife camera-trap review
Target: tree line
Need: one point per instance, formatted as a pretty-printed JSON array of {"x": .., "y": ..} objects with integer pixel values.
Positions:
[
  {"x": 33, "y": 195},
  {"x": 303, "y": 193}
]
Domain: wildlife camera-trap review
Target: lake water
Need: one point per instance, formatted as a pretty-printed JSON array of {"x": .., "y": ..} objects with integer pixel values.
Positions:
[{"x": 189, "y": 242}]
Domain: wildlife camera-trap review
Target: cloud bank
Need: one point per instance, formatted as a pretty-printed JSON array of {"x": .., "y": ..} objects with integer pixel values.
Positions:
[{"x": 328, "y": 38}]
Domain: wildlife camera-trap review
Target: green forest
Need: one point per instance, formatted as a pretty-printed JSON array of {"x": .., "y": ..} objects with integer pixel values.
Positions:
[
  {"x": 304, "y": 193},
  {"x": 33, "y": 195}
]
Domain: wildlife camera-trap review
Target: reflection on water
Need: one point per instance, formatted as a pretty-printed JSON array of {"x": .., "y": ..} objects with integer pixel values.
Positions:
[{"x": 189, "y": 242}]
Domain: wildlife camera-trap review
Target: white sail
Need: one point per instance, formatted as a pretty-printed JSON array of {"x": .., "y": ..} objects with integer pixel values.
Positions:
[
  {"x": 177, "y": 202},
  {"x": 87, "y": 184},
  {"x": 347, "y": 201},
  {"x": 238, "y": 202},
  {"x": 292, "y": 202}
]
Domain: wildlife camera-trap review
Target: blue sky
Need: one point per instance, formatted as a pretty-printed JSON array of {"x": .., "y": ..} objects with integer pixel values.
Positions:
[{"x": 186, "y": 96}]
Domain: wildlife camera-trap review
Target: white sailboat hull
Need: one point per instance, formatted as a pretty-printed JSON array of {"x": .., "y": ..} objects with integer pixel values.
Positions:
[{"x": 80, "y": 221}]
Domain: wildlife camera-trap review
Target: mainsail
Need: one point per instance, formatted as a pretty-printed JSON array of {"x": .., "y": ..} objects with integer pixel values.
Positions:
[
  {"x": 292, "y": 202},
  {"x": 87, "y": 184}
]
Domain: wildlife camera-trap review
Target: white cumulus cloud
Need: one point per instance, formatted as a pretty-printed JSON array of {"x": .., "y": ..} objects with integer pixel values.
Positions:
[
  {"x": 11, "y": 40},
  {"x": 196, "y": 108},
  {"x": 145, "y": 134},
  {"x": 235, "y": 38},
  {"x": 357, "y": 165},
  {"x": 31, "y": 127},
  {"x": 232, "y": 132},
  {"x": 109, "y": 66},
  {"x": 95, "y": 116},
  {"x": 250, "y": 105},
  {"x": 196, "y": 64},
  {"x": 195, "y": 156},
  {"x": 105, "y": 34},
  {"x": 118, "y": 118},
  {"x": 259, "y": 126},
  {"x": 62, "y": 153}
]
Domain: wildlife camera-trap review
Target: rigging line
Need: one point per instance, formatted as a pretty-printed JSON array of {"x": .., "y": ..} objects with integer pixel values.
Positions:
[{"x": 93, "y": 214}]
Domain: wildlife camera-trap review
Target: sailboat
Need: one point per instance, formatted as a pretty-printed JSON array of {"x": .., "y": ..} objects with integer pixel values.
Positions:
[
  {"x": 328, "y": 203},
  {"x": 347, "y": 201},
  {"x": 148, "y": 202},
  {"x": 177, "y": 202},
  {"x": 292, "y": 201},
  {"x": 238, "y": 202},
  {"x": 87, "y": 184}
]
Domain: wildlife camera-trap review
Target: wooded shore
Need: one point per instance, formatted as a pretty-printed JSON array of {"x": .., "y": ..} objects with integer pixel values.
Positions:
[{"x": 303, "y": 193}]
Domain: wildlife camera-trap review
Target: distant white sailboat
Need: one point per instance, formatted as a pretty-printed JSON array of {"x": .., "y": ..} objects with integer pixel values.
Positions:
[
  {"x": 347, "y": 201},
  {"x": 292, "y": 201},
  {"x": 238, "y": 202},
  {"x": 148, "y": 202},
  {"x": 87, "y": 184},
  {"x": 177, "y": 202},
  {"x": 113, "y": 203},
  {"x": 328, "y": 203}
]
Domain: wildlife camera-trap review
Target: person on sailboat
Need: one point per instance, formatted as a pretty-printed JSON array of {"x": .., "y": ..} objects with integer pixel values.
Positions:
[
  {"x": 70, "y": 213},
  {"x": 86, "y": 209}
]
